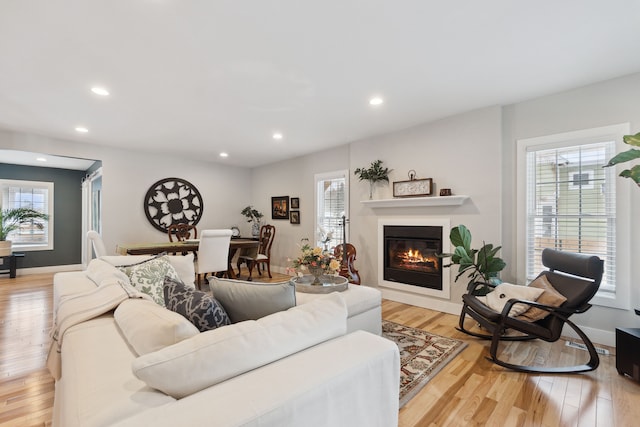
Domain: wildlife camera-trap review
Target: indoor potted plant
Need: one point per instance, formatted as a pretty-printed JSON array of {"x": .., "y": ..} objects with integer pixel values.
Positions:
[
  {"x": 374, "y": 173},
  {"x": 315, "y": 260},
  {"x": 253, "y": 216},
  {"x": 12, "y": 219},
  {"x": 480, "y": 265},
  {"x": 625, "y": 156}
]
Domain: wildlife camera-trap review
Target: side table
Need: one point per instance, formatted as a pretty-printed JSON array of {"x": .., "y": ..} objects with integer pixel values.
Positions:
[
  {"x": 628, "y": 352},
  {"x": 10, "y": 263}
]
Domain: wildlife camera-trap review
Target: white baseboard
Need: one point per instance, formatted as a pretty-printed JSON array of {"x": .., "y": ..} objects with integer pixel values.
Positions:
[
  {"x": 598, "y": 336},
  {"x": 421, "y": 301},
  {"x": 49, "y": 269}
]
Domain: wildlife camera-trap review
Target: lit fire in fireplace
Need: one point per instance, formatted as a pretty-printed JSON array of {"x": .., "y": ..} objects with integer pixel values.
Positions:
[{"x": 413, "y": 259}]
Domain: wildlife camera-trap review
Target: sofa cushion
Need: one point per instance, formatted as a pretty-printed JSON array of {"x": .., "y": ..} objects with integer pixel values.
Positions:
[
  {"x": 148, "y": 276},
  {"x": 215, "y": 356},
  {"x": 149, "y": 327},
  {"x": 502, "y": 293},
  {"x": 249, "y": 300},
  {"x": 550, "y": 296},
  {"x": 99, "y": 270},
  {"x": 198, "y": 307},
  {"x": 183, "y": 264}
]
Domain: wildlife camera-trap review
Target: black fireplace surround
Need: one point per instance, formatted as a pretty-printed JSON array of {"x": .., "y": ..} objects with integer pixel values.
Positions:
[{"x": 410, "y": 255}]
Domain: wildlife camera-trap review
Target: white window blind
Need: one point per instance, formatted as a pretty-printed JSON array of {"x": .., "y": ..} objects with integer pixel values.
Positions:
[
  {"x": 571, "y": 204},
  {"x": 331, "y": 205}
]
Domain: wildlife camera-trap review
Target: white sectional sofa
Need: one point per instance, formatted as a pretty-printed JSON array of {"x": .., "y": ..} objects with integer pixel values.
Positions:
[{"x": 320, "y": 363}]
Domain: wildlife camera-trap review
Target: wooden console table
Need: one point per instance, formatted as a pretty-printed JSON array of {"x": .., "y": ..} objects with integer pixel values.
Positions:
[{"x": 10, "y": 261}]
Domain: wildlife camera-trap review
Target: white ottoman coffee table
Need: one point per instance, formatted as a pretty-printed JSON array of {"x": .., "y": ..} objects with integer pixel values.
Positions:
[{"x": 363, "y": 307}]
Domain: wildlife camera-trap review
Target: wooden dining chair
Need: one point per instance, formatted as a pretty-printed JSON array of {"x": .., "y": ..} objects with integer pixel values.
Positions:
[
  {"x": 182, "y": 232},
  {"x": 262, "y": 255}
]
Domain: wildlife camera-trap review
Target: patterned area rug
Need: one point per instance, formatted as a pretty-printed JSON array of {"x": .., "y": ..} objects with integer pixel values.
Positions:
[{"x": 422, "y": 355}]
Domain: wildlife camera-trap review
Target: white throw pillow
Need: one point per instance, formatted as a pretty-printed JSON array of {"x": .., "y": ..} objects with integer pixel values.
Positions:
[
  {"x": 215, "y": 356},
  {"x": 183, "y": 264},
  {"x": 244, "y": 300},
  {"x": 502, "y": 293},
  {"x": 149, "y": 327},
  {"x": 98, "y": 270}
]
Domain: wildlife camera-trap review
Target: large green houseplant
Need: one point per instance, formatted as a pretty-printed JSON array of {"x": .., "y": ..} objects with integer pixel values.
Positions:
[
  {"x": 625, "y": 156},
  {"x": 374, "y": 173},
  {"x": 12, "y": 219},
  {"x": 480, "y": 265}
]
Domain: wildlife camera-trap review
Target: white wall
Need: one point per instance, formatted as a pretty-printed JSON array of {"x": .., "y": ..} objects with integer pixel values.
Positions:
[
  {"x": 293, "y": 178},
  {"x": 611, "y": 102},
  {"x": 127, "y": 175},
  {"x": 461, "y": 152}
]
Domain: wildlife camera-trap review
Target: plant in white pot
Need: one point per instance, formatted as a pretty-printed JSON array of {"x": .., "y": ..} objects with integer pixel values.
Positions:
[
  {"x": 253, "y": 216},
  {"x": 12, "y": 219},
  {"x": 374, "y": 173}
]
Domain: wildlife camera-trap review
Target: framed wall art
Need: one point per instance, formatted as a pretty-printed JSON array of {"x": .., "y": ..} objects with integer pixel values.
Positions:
[
  {"x": 295, "y": 203},
  {"x": 172, "y": 201},
  {"x": 280, "y": 207},
  {"x": 413, "y": 188},
  {"x": 295, "y": 217}
]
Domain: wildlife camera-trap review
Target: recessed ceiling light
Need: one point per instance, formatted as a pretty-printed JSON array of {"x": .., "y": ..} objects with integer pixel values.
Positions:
[
  {"x": 224, "y": 154},
  {"x": 41, "y": 159},
  {"x": 277, "y": 136},
  {"x": 376, "y": 100},
  {"x": 100, "y": 91},
  {"x": 82, "y": 129}
]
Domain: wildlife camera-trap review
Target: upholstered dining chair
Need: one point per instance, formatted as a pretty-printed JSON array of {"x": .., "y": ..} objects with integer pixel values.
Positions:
[
  {"x": 96, "y": 241},
  {"x": 213, "y": 253},
  {"x": 571, "y": 277},
  {"x": 262, "y": 255}
]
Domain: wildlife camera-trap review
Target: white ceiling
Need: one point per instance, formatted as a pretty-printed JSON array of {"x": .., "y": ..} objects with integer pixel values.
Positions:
[{"x": 200, "y": 77}]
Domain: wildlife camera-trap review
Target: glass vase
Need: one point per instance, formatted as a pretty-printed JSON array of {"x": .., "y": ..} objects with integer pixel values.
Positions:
[{"x": 316, "y": 272}]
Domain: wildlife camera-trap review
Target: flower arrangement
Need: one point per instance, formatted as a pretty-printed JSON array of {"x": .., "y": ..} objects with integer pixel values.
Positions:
[{"x": 315, "y": 258}]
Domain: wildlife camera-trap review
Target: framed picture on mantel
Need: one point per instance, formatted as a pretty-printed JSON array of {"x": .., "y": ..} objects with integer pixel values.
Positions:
[{"x": 413, "y": 188}]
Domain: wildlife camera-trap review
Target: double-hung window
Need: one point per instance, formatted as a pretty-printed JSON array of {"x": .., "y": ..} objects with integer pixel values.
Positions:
[
  {"x": 33, "y": 195},
  {"x": 332, "y": 204},
  {"x": 567, "y": 201}
]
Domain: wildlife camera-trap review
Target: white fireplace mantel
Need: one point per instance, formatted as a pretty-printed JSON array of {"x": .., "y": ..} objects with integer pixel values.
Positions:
[{"x": 416, "y": 201}]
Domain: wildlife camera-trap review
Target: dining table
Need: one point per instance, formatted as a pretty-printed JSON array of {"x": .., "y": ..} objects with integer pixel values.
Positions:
[{"x": 155, "y": 248}]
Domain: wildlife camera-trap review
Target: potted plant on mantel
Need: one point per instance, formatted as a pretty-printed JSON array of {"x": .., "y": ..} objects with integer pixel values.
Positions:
[
  {"x": 12, "y": 219},
  {"x": 254, "y": 216},
  {"x": 480, "y": 265},
  {"x": 374, "y": 173}
]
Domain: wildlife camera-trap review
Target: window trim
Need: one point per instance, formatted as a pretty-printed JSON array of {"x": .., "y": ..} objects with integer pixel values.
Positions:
[
  {"x": 619, "y": 298},
  {"x": 50, "y": 226},
  {"x": 342, "y": 173}
]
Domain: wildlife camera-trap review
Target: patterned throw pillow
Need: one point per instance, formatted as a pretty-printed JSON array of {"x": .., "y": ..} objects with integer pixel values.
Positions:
[
  {"x": 148, "y": 276},
  {"x": 199, "y": 307}
]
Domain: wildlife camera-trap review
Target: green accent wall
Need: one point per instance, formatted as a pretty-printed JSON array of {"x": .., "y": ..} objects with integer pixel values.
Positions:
[{"x": 67, "y": 213}]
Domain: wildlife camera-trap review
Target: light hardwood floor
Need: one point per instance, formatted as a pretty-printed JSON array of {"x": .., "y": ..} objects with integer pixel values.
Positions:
[{"x": 468, "y": 391}]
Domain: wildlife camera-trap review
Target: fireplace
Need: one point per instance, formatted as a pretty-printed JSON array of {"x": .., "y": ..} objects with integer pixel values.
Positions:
[
  {"x": 410, "y": 255},
  {"x": 407, "y": 261}
]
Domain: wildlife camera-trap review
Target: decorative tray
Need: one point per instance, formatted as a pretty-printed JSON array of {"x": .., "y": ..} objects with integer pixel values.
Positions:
[{"x": 328, "y": 284}]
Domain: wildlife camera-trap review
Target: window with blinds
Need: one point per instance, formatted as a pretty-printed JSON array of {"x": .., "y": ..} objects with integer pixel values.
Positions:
[
  {"x": 32, "y": 195},
  {"x": 571, "y": 204},
  {"x": 331, "y": 205}
]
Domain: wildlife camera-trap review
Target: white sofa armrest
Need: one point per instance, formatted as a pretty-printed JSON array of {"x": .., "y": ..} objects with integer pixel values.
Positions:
[{"x": 351, "y": 380}]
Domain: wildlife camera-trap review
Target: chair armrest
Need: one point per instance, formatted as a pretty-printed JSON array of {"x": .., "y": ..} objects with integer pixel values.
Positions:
[{"x": 557, "y": 311}]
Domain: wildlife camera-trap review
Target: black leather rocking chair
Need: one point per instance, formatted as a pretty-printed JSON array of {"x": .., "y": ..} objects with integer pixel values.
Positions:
[{"x": 576, "y": 276}]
